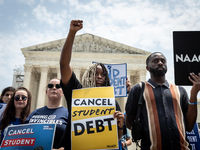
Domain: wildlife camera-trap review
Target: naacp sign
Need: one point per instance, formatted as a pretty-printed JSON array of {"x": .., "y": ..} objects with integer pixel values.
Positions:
[{"x": 186, "y": 55}]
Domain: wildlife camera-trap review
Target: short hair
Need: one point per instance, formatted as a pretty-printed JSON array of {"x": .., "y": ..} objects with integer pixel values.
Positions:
[
  {"x": 88, "y": 79},
  {"x": 148, "y": 58}
]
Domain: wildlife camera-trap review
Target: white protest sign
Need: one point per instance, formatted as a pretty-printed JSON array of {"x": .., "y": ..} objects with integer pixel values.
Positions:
[{"x": 117, "y": 74}]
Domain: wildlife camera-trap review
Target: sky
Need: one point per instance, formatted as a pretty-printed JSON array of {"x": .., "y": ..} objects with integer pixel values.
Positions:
[{"x": 144, "y": 24}]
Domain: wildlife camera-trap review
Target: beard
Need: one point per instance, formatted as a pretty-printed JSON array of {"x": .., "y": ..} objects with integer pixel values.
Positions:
[{"x": 157, "y": 72}]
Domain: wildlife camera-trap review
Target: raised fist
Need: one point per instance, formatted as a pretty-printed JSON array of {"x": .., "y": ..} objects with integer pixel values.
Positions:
[{"x": 76, "y": 25}]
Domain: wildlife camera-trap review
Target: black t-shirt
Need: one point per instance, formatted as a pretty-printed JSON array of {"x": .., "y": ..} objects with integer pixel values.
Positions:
[{"x": 67, "y": 90}]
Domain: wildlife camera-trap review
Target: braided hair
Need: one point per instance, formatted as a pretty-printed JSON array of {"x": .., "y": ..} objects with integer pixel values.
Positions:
[{"x": 88, "y": 79}]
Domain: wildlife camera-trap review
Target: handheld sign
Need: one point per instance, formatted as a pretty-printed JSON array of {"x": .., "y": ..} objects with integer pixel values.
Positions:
[
  {"x": 117, "y": 74},
  {"x": 186, "y": 55},
  {"x": 2, "y": 107},
  {"x": 29, "y": 136},
  {"x": 92, "y": 119},
  {"x": 194, "y": 138}
]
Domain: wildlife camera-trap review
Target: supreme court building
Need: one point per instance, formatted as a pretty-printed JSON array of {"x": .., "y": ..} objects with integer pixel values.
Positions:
[{"x": 42, "y": 63}]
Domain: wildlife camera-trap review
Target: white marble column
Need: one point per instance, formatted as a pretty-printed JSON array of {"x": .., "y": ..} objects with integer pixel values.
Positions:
[
  {"x": 129, "y": 75},
  {"x": 63, "y": 101},
  {"x": 35, "y": 80},
  {"x": 27, "y": 76},
  {"x": 77, "y": 71},
  {"x": 142, "y": 73},
  {"x": 58, "y": 73},
  {"x": 42, "y": 86}
]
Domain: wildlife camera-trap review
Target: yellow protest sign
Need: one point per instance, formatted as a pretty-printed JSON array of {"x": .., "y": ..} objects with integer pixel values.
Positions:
[{"x": 92, "y": 124}]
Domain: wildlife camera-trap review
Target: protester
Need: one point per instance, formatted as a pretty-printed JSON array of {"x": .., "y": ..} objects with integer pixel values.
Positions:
[
  {"x": 96, "y": 75},
  {"x": 167, "y": 112},
  {"x": 17, "y": 109},
  {"x": 53, "y": 112},
  {"x": 7, "y": 94},
  {"x": 5, "y": 97}
]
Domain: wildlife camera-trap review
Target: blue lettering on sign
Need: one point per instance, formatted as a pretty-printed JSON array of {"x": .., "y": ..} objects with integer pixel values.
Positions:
[
  {"x": 115, "y": 73},
  {"x": 118, "y": 81},
  {"x": 192, "y": 132},
  {"x": 109, "y": 71},
  {"x": 192, "y": 138},
  {"x": 119, "y": 88},
  {"x": 193, "y": 146}
]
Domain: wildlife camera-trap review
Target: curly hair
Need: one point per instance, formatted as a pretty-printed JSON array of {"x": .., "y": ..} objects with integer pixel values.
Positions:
[
  {"x": 88, "y": 79},
  {"x": 9, "y": 113}
]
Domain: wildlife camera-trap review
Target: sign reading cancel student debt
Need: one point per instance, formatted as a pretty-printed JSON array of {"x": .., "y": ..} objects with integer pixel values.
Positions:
[
  {"x": 186, "y": 55},
  {"x": 93, "y": 126},
  {"x": 29, "y": 136}
]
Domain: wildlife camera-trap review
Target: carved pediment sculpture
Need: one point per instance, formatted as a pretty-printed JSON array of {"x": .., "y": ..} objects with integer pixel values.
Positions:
[{"x": 88, "y": 43}]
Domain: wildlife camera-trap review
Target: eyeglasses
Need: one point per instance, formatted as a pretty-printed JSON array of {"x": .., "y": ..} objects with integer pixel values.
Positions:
[
  {"x": 8, "y": 95},
  {"x": 52, "y": 85},
  {"x": 17, "y": 98}
]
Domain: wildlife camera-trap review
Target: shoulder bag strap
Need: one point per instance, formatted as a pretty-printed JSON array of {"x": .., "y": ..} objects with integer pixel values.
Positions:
[{"x": 140, "y": 102}]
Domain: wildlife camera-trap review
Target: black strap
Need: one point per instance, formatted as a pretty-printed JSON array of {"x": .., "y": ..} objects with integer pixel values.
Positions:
[{"x": 140, "y": 102}]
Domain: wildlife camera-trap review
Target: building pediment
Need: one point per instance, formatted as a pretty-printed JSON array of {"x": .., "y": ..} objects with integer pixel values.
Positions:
[{"x": 87, "y": 43}]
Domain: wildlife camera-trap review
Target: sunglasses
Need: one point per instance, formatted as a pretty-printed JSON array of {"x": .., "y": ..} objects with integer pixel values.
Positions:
[
  {"x": 52, "y": 85},
  {"x": 17, "y": 98}
]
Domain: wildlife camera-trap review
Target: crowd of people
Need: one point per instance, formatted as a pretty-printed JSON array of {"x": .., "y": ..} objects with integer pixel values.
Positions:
[{"x": 166, "y": 114}]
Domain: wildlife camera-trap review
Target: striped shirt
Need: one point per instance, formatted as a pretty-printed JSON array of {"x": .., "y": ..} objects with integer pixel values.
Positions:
[{"x": 162, "y": 115}]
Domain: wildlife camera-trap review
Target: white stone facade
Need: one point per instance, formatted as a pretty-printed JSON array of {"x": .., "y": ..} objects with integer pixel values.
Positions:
[{"x": 42, "y": 63}]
